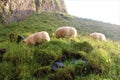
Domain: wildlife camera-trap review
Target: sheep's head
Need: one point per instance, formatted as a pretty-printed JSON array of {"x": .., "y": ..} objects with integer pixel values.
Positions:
[
  {"x": 48, "y": 39},
  {"x": 25, "y": 42}
]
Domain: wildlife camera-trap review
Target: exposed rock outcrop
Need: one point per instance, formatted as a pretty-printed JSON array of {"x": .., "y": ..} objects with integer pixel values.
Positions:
[{"x": 15, "y": 10}]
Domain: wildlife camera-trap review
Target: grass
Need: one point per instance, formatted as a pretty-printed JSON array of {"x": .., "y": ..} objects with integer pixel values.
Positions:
[{"x": 84, "y": 58}]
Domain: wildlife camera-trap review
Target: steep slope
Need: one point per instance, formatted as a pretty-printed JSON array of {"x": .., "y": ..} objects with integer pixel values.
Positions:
[
  {"x": 83, "y": 58},
  {"x": 50, "y": 21}
]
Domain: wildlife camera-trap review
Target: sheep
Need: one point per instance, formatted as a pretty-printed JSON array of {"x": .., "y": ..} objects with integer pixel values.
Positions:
[
  {"x": 65, "y": 32},
  {"x": 37, "y": 38},
  {"x": 99, "y": 36}
]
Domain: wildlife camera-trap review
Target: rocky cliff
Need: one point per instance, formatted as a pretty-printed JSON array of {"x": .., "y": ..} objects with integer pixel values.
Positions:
[{"x": 15, "y": 10}]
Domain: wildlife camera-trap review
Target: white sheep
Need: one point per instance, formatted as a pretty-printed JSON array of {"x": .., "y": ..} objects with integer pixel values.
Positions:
[
  {"x": 37, "y": 38},
  {"x": 99, "y": 36},
  {"x": 65, "y": 32}
]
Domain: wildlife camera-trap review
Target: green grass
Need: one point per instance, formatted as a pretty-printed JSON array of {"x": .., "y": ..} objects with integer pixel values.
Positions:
[{"x": 102, "y": 58}]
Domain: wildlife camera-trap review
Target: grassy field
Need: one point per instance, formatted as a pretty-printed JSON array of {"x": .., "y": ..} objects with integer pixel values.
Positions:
[{"x": 84, "y": 58}]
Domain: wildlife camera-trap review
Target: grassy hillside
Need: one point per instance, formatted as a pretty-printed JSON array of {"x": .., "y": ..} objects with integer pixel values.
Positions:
[
  {"x": 50, "y": 21},
  {"x": 84, "y": 58}
]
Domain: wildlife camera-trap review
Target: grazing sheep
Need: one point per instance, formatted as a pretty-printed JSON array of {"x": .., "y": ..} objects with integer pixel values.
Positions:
[
  {"x": 65, "y": 32},
  {"x": 37, "y": 38},
  {"x": 99, "y": 36}
]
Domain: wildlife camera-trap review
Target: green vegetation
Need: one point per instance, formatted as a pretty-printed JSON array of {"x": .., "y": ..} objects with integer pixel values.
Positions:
[{"x": 84, "y": 58}]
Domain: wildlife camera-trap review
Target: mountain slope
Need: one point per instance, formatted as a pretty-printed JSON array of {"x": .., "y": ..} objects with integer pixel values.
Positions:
[
  {"x": 83, "y": 58},
  {"x": 51, "y": 21},
  {"x": 112, "y": 31}
]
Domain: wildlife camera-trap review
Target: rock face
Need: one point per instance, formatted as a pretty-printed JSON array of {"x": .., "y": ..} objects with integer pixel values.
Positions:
[
  {"x": 15, "y": 10},
  {"x": 50, "y": 5}
]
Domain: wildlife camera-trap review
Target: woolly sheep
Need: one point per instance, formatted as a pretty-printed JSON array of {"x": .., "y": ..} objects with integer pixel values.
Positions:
[
  {"x": 99, "y": 36},
  {"x": 65, "y": 32},
  {"x": 37, "y": 38}
]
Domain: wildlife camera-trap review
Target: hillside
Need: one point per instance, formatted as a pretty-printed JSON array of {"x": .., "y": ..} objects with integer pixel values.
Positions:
[
  {"x": 83, "y": 58},
  {"x": 54, "y": 20},
  {"x": 112, "y": 31}
]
